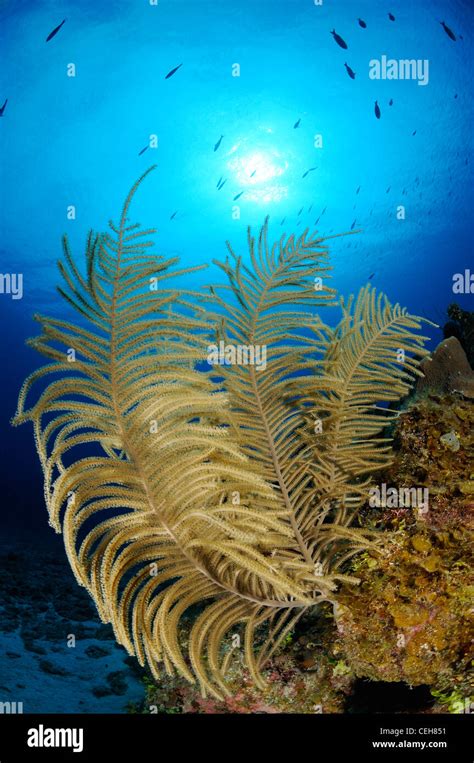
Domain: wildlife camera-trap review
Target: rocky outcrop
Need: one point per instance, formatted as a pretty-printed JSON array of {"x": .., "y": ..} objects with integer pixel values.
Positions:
[{"x": 447, "y": 370}]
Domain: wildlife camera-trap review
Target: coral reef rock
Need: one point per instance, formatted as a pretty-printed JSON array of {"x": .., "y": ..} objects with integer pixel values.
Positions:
[{"x": 447, "y": 370}]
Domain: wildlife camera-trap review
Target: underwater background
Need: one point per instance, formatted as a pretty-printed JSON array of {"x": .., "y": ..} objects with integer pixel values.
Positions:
[{"x": 296, "y": 136}]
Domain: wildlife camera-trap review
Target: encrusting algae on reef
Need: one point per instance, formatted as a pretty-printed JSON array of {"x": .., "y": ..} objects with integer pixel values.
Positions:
[{"x": 411, "y": 618}]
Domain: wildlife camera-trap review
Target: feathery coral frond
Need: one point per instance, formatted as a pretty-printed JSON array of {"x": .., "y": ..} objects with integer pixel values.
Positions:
[
  {"x": 178, "y": 490},
  {"x": 373, "y": 356}
]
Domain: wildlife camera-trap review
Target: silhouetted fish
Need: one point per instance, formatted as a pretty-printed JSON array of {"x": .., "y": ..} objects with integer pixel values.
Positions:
[
  {"x": 349, "y": 71},
  {"x": 448, "y": 31},
  {"x": 322, "y": 213},
  {"x": 142, "y": 151},
  {"x": 311, "y": 169},
  {"x": 173, "y": 71},
  {"x": 283, "y": 221},
  {"x": 377, "y": 110},
  {"x": 371, "y": 276},
  {"x": 300, "y": 211},
  {"x": 391, "y": 17},
  {"x": 222, "y": 184},
  {"x": 55, "y": 31},
  {"x": 174, "y": 215},
  {"x": 316, "y": 221},
  {"x": 358, "y": 190},
  {"x": 353, "y": 225},
  {"x": 218, "y": 143},
  {"x": 388, "y": 189},
  {"x": 253, "y": 173},
  {"x": 238, "y": 196},
  {"x": 310, "y": 208},
  {"x": 456, "y": 95},
  {"x": 219, "y": 182},
  {"x": 3, "y": 108},
  {"x": 390, "y": 103},
  {"x": 339, "y": 39},
  {"x": 414, "y": 132},
  {"x": 362, "y": 23},
  {"x": 296, "y": 124}
]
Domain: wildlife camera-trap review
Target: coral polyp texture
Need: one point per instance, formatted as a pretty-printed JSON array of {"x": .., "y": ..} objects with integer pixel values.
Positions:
[{"x": 218, "y": 499}]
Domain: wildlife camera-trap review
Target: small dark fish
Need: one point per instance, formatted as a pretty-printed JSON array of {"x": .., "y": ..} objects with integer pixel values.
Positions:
[
  {"x": 3, "y": 108},
  {"x": 219, "y": 182},
  {"x": 310, "y": 208},
  {"x": 350, "y": 72},
  {"x": 218, "y": 143},
  {"x": 377, "y": 110},
  {"x": 174, "y": 215},
  {"x": 173, "y": 71},
  {"x": 362, "y": 23},
  {"x": 390, "y": 103},
  {"x": 253, "y": 173},
  {"x": 238, "y": 196},
  {"x": 388, "y": 189},
  {"x": 414, "y": 132},
  {"x": 358, "y": 190},
  {"x": 300, "y": 211},
  {"x": 296, "y": 124},
  {"x": 371, "y": 276},
  {"x": 222, "y": 184},
  {"x": 316, "y": 221},
  {"x": 142, "y": 151},
  {"x": 456, "y": 95},
  {"x": 55, "y": 31},
  {"x": 391, "y": 17},
  {"x": 311, "y": 169},
  {"x": 353, "y": 225},
  {"x": 322, "y": 213},
  {"x": 283, "y": 221},
  {"x": 339, "y": 39},
  {"x": 448, "y": 31}
]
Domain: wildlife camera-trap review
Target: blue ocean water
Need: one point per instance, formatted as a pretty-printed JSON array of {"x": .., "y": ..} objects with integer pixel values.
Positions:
[{"x": 77, "y": 140}]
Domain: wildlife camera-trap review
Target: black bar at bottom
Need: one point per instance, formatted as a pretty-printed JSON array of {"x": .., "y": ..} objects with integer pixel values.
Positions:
[{"x": 131, "y": 737}]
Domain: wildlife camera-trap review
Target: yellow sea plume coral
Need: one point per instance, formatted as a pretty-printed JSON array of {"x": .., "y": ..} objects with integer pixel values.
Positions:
[{"x": 179, "y": 490}]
